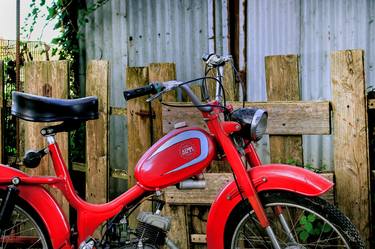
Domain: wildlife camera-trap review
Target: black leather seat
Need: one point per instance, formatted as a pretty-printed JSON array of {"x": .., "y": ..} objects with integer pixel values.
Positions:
[{"x": 43, "y": 109}]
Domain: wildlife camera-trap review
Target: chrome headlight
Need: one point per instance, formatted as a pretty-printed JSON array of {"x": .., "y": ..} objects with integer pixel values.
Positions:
[{"x": 253, "y": 122}]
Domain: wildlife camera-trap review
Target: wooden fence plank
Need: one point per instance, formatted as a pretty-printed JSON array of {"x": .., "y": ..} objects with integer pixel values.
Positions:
[
  {"x": 47, "y": 79},
  {"x": 139, "y": 125},
  {"x": 97, "y": 133},
  {"x": 215, "y": 183},
  {"x": 284, "y": 118},
  {"x": 159, "y": 72},
  {"x": 351, "y": 144},
  {"x": 282, "y": 81},
  {"x": 1, "y": 111}
]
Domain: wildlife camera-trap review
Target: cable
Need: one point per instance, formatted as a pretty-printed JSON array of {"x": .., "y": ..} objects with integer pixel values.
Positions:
[
  {"x": 190, "y": 106},
  {"x": 239, "y": 79}
]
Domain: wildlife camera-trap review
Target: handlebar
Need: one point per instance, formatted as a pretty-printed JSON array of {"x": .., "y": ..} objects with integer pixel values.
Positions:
[
  {"x": 157, "y": 89},
  {"x": 162, "y": 87},
  {"x": 142, "y": 91}
]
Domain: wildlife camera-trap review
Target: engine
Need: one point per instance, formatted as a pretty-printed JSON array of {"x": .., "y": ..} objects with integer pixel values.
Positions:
[
  {"x": 151, "y": 233},
  {"x": 152, "y": 229}
]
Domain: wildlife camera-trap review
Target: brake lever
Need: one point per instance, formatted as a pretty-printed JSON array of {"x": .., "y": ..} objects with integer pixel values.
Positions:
[
  {"x": 168, "y": 86},
  {"x": 155, "y": 96}
]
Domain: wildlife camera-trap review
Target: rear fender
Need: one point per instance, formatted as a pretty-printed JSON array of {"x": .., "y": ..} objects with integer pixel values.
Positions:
[
  {"x": 265, "y": 178},
  {"x": 45, "y": 206}
]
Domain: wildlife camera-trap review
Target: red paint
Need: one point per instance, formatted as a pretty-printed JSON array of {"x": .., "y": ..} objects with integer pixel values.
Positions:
[
  {"x": 161, "y": 170},
  {"x": 49, "y": 211},
  {"x": 229, "y": 127},
  {"x": 278, "y": 177},
  {"x": 177, "y": 156}
]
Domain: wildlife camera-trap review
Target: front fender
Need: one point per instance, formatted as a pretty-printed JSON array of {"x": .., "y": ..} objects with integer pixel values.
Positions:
[
  {"x": 44, "y": 204},
  {"x": 265, "y": 178}
]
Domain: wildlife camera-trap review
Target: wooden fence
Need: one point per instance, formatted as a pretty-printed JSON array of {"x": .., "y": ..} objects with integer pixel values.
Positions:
[{"x": 289, "y": 119}]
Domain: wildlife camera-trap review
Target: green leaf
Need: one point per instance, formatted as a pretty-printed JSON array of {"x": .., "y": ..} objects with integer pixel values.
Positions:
[
  {"x": 55, "y": 40},
  {"x": 54, "y": 51},
  {"x": 42, "y": 2},
  {"x": 51, "y": 12},
  {"x": 327, "y": 229},
  {"x": 35, "y": 11},
  {"x": 299, "y": 229},
  {"x": 303, "y": 220},
  {"x": 316, "y": 231},
  {"x": 311, "y": 217},
  {"x": 308, "y": 227},
  {"x": 57, "y": 26},
  {"x": 304, "y": 236}
]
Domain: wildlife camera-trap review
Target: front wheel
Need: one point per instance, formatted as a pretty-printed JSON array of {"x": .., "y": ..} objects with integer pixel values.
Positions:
[{"x": 311, "y": 221}]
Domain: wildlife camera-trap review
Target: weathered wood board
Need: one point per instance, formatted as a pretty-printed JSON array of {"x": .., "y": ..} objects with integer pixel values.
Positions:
[
  {"x": 139, "y": 125},
  {"x": 215, "y": 183},
  {"x": 97, "y": 133},
  {"x": 160, "y": 72},
  {"x": 282, "y": 82},
  {"x": 351, "y": 146},
  {"x": 284, "y": 117},
  {"x": 49, "y": 79}
]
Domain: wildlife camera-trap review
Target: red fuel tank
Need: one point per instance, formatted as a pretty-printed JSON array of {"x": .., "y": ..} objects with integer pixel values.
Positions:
[{"x": 177, "y": 156}]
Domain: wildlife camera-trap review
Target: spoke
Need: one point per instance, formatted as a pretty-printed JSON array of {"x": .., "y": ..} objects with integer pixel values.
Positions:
[
  {"x": 34, "y": 243},
  {"x": 320, "y": 235},
  {"x": 293, "y": 225},
  {"x": 17, "y": 224},
  {"x": 23, "y": 231},
  {"x": 248, "y": 240}
]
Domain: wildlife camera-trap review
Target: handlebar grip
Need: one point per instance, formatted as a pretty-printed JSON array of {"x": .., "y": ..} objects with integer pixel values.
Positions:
[{"x": 138, "y": 92}]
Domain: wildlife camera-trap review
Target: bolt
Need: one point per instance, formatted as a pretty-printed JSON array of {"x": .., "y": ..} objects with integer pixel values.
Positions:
[{"x": 16, "y": 181}]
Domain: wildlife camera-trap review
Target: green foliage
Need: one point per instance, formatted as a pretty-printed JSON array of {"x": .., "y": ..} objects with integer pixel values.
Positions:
[
  {"x": 310, "y": 226},
  {"x": 309, "y": 166},
  {"x": 70, "y": 16}
]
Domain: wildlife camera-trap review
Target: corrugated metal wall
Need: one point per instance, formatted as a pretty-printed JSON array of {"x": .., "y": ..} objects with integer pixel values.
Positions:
[
  {"x": 312, "y": 29},
  {"x": 138, "y": 32}
]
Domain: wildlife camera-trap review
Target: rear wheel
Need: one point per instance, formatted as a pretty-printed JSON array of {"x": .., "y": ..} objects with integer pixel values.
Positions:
[
  {"x": 25, "y": 230},
  {"x": 313, "y": 223}
]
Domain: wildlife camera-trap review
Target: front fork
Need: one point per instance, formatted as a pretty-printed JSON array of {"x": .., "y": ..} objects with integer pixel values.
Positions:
[
  {"x": 252, "y": 157},
  {"x": 7, "y": 207}
]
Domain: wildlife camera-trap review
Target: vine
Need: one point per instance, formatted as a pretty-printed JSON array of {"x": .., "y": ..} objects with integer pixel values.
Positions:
[{"x": 70, "y": 17}]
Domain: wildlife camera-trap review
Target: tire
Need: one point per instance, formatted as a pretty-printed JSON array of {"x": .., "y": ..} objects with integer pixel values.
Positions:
[
  {"x": 26, "y": 230},
  {"x": 313, "y": 222}
]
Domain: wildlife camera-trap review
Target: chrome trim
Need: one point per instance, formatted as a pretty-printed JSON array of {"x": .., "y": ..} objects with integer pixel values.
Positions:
[
  {"x": 255, "y": 122},
  {"x": 51, "y": 139}
]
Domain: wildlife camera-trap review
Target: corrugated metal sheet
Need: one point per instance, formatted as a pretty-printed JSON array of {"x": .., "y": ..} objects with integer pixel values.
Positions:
[
  {"x": 168, "y": 31},
  {"x": 139, "y": 32},
  {"x": 312, "y": 29}
]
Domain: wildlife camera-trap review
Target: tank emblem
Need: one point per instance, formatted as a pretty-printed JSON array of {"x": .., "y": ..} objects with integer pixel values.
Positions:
[{"x": 187, "y": 151}]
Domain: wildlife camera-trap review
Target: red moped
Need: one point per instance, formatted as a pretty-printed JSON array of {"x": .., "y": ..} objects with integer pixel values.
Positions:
[{"x": 266, "y": 206}]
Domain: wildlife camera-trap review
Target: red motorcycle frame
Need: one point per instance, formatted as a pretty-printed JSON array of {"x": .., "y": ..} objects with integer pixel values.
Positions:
[{"x": 89, "y": 216}]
